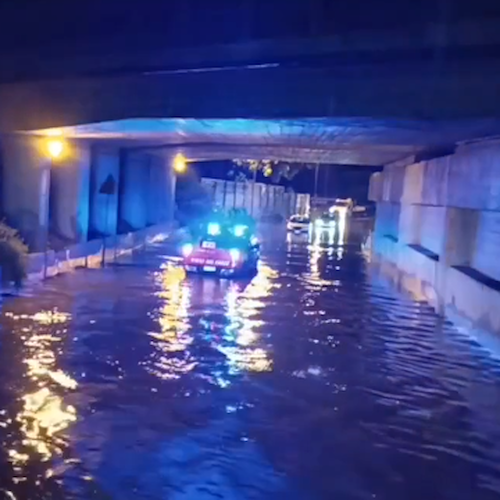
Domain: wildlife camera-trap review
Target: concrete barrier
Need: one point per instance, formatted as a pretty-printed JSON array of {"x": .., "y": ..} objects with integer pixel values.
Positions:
[
  {"x": 451, "y": 291},
  {"x": 437, "y": 231},
  {"x": 93, "y": 253}
]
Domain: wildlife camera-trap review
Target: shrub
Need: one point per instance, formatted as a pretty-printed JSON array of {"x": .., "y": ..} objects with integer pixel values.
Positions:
[{"x": 13, "y": 256}]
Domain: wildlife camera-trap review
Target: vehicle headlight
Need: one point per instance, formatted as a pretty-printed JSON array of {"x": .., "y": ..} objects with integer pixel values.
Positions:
[
  {"x": 187, "y": 249},
  {"x": 213, "y": 229},
  {"x": 235, "y": 254}
]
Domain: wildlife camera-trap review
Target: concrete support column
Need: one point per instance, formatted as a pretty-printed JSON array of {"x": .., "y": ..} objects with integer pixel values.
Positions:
[
  {"x": 41, "y": 196},
  {"x": 23, "y": 168},
  {"x": 161, "y": 198},
  {"x": 156, "y": 189},
  {"x": 70, "y": 191},
  {"x": 134, "y": 191},
  {"x": 104, "y": 173}
]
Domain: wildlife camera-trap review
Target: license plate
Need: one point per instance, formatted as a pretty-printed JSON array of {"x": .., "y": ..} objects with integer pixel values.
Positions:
[
  {"x": 208, "y": 244},
  {"x": 209, "y": 269}
]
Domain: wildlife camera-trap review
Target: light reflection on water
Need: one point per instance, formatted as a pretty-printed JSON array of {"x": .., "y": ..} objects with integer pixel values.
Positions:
[
  {"x": 43, "y": 415},
  {"x": 324, "y": 245},
  {"x": 245, "y": 350},
  {"x": 309, "y": 381},
  {"x": 171, "y": 358},
  {"x": 238, "y": 338}
]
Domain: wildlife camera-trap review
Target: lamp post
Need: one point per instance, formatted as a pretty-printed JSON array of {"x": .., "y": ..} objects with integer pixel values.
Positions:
[{"x": 54, "y": 151}]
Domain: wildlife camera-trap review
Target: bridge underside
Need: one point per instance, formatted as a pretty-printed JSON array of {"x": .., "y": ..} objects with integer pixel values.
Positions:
[
  {"x": 403, "y": 92},
  {"x": 346, "y": 141}
]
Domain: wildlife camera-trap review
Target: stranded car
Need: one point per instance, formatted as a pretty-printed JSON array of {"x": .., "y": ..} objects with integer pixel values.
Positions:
[
  {"x": 224, "y": 250},
  {"x": 298, "y": 224}
]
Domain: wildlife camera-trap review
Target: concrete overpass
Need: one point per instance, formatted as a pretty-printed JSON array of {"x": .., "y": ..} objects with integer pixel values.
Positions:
[
  {"x": 438, "y": 61},
  {"x": 289, "y": 87},
  {"x": 401, "y": 91}
]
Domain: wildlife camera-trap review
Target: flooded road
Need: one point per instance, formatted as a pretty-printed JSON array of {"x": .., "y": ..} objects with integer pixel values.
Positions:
[{"x": 315, "y": 380}]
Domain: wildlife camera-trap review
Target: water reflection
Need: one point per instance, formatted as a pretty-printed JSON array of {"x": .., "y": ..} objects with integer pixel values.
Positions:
[
  {"x": 321, "y": 253},
  {"x": 171, "y": 358},
  {"x": 329, "y": 238},
  {"x": 241, "y": 340},
  {"x": 196, "y": 338},
  {"x": 245, "y": 348},
  {"x": 43, "y": 415},
  {"x": 335, "y": 389}
]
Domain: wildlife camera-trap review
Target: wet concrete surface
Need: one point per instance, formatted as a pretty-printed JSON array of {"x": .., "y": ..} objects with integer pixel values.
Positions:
[{"x": 314, "y": 380}]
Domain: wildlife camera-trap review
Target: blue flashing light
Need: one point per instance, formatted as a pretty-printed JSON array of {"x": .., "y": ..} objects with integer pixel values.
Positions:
[
  {"x": 239, "y": 230},
  {"x": 213, "y": 229}
]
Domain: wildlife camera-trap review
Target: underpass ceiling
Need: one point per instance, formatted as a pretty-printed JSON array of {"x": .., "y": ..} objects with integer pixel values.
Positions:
[{"x": 354, "y": 141}]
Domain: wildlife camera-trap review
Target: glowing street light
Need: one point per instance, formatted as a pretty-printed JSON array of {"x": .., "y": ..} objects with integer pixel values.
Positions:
[
  {"x": 180, "y": 163},
  {"x": 55, "y": 148}
]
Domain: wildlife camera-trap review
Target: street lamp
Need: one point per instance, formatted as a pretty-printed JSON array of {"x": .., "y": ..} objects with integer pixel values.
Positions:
[
  {"x": 180, "y": 163},
  {"x": 54, "y": 150}
]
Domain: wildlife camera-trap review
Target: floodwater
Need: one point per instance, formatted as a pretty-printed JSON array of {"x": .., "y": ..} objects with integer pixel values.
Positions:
[{"x": 314, "y": 380}]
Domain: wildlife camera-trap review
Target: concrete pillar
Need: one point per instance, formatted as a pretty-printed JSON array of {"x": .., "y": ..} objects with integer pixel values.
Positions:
[
  {"x": 161, "y": 197},
  {"x": 23, "y": 168},
  {"x": 105, "y": 169},
  {"x": 29, "y": 178},
  {"x": 134, "y": 191},
  {"x": 70, "y": 191},
  {"x": 157, "y": 189}
]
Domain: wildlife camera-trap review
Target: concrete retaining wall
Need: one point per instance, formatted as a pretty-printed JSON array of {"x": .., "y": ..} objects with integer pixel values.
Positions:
[
  {"x": 267, "y": 199},
  {"x": 437, "y": 232},
  {"x": 91, "y": 253},
  {"x": 94, "y": 189},
  {"x": 104, "y": 207}
]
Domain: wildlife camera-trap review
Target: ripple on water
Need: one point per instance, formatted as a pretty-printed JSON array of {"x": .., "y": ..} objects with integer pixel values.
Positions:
[{"x": 312, "y": 380}]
